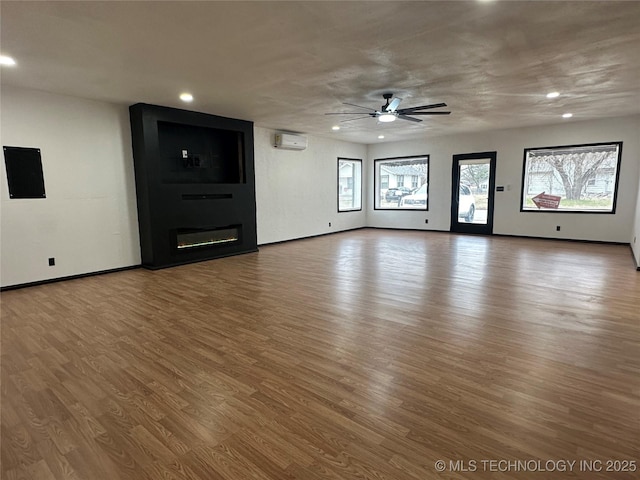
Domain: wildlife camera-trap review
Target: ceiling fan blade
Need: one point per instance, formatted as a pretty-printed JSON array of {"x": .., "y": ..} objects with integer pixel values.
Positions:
[
  {"x": 411, "y": 119},
  {"x": 352, "y": 119},
  {"x": 393, "y": 105},
  {"x": 422, "y": 107},
  {"x": 426, "y": 113},
  {"x": 347, "y": 113},
  {"x": 354, "y": 105}
]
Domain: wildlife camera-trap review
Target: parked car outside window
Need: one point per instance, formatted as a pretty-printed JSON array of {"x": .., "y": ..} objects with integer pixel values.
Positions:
[
  {"x": 466, "y": 201},
  {"x": 466, "y": 204},
  {"x": 395, "y": 194},
  {"x": 418, "y": 199}
]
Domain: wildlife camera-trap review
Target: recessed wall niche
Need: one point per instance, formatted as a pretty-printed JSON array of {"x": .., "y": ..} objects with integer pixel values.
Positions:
[
  {"x": 195, "y": 185},
  {"x": 191, "y": 154}
]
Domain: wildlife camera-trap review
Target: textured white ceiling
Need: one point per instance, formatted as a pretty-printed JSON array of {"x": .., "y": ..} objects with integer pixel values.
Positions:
[{"x": 284, "y": 64}]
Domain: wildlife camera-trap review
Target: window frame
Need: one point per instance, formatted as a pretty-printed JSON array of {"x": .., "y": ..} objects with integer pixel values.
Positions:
[
  {"x": 565, "y": 147},
  {"x": 377, "y": 181},
  {"x": 354, "y": 161}
]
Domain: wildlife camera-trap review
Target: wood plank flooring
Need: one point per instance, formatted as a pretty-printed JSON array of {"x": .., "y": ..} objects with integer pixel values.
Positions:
[{"x": 369, "y": 354}]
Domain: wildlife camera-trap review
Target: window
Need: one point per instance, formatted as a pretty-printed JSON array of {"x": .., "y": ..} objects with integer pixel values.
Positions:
[
  {"x": 574, "y": 178},
  {"x": 349, "y": 184},
  {"x": 391, "y": 193}
]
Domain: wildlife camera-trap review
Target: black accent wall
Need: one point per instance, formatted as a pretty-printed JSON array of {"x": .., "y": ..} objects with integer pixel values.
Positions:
[{"x": 194, "y": 173}]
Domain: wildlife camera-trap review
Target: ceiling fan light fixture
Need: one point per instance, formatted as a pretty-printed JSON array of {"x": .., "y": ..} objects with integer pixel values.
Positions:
[{"x": 387, "y": 117}]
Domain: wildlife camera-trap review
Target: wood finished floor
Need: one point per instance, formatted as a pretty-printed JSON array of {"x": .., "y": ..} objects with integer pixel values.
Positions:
[{"x": 362, "y": 355}]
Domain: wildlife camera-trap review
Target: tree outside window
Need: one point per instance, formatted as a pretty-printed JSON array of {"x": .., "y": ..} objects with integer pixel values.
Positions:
[
  {"x": 476, "y": 176},
  {"x": 575, "y": 178}
]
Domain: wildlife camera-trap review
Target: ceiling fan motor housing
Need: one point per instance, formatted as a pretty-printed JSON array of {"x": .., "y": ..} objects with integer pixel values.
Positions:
[{"x": 387, "y": 97}]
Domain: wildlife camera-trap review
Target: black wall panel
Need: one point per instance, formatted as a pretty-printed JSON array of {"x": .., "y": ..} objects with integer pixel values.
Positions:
[
  {"x": 194, "y": 172},
  {"x": 24, "y": 172}
]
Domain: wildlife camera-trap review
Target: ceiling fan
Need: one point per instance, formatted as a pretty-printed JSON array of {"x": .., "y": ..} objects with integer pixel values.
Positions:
[{"x": 389, "y": 112}]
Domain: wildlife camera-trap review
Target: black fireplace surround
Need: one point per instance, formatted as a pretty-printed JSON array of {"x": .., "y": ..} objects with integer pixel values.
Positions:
[{"x": 195, "y": 185}]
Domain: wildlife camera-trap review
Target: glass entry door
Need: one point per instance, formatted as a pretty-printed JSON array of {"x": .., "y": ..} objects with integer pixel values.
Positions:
[{"x": 473, "y": 186}]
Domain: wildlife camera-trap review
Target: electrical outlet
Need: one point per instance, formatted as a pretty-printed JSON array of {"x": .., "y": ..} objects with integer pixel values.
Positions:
[
  {"x": 557, "y": 228},
  {"x": 329, "y": 223},
  {"x": 52, "y": 261},
  {"x": 426, "y": 220}
]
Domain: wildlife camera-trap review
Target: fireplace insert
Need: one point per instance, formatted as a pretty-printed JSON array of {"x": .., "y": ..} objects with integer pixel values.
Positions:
[{"x": 188, "y": 239}]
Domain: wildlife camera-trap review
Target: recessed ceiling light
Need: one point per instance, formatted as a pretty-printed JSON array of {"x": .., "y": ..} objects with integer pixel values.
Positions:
[
  {"x": 380, "y": 137},
  {"x": 335, "y": 128},
  {"x": 553, "y": 94},
  {"x": 186, "y": 97},
  {"x": 4, "y": 60},
  {"x": 567, "y": 115}
]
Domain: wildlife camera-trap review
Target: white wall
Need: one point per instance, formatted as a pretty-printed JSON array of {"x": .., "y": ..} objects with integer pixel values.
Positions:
[
  {"x": 297, "y": 191},
  {"x": 510, "y": 145},
  {"x": 88, "y": 221}
]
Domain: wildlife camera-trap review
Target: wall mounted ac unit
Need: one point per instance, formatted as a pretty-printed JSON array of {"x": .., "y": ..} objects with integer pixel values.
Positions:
[{"x": 288, "y": 141}]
